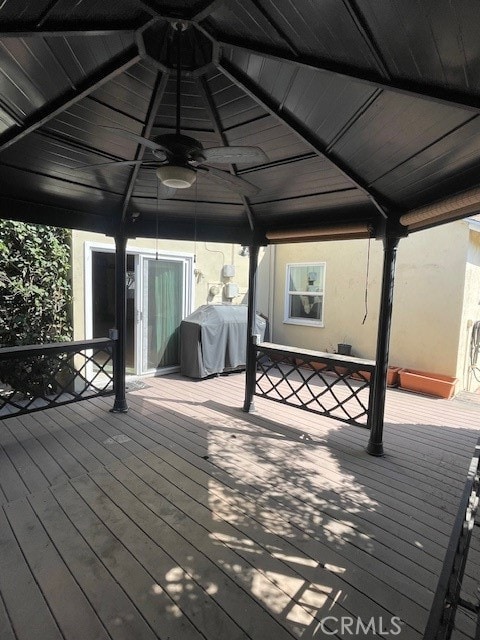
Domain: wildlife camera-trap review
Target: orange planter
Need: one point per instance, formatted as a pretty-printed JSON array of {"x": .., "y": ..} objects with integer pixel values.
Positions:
[
  {"x": 433, "y": 384},
  {"x": 392, "y": 376},
  {"x": 341, "y": 371},
  {"x": 318, "y": 366}
]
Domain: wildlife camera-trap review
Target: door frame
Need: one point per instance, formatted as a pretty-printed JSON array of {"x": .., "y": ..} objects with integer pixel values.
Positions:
[{"x": 188, "y": 303}]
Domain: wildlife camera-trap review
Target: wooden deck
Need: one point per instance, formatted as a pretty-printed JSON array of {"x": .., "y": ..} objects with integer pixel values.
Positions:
[{"x": 188, "y": 519}]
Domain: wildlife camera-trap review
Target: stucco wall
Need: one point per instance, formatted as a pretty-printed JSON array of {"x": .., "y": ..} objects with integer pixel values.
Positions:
[
  {"x": 210, "y": 258},
  {"x": 471, "y": 312},
  {"x": 428, "y": 298}
]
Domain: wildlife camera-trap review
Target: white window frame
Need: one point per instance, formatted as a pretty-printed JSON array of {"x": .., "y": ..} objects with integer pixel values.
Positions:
[{"x": 310, "y": 322}]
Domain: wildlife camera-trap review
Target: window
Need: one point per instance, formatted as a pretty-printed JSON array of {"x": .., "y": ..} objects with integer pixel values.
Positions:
[{"x": 304, "y": 293}]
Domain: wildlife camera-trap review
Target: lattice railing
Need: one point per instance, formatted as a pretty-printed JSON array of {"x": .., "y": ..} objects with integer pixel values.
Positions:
[
  {"x": 36, "y": 377},
  {"x": 329, "y": 384},
  {"x": 447, "y": 599}
]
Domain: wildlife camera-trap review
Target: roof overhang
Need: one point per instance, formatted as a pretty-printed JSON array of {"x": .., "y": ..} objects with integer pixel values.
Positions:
[{"x": 368, "y": 115}]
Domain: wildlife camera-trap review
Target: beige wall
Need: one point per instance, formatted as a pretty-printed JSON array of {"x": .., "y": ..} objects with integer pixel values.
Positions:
[
  {"x": 471, "y": 311},
  {"x": 437, "y": 291},
  {"x": 210, "y": 258},
  {"x": 428, "y": 300}
]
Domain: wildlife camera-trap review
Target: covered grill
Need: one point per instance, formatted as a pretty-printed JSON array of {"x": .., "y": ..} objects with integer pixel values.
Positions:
[{"x": 213, "y": 339}]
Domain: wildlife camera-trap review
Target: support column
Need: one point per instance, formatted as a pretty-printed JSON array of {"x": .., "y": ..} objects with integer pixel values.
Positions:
[
  {"x": 251, "y": 365},
  {"x": 377, "y": 409},
  {"x": 120, "y": 403}
]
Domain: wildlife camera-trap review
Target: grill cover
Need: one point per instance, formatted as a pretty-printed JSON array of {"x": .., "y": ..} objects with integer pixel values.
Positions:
[{"x": 213, "y": 339}]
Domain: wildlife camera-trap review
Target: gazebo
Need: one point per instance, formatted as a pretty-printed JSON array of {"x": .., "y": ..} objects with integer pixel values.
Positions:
[
  {"x": 366, "y": 113},
  {"x": 367, "y": 116}
]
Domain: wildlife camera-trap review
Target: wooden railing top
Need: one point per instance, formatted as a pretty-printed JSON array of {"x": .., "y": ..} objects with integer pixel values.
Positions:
[
  {"x": 317, "y": 356},
  {"x": 54, "y": 347}
]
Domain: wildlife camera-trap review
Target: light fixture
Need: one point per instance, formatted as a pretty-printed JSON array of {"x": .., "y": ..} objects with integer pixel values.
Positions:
[{"x": 175, "y": 176}]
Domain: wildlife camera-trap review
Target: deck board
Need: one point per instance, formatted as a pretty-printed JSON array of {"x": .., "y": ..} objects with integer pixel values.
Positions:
[
  {"x": 6, "y": 630},
  {"x": 393, "y": 522},
  {"x": 156, "y": 606},
  {"x": 74, "y": 614},
  {"x": 37, "y": 449},
  {"x": 187, "y": 519},
  {"x": 198, "y": 447},
  {"x": 66, "y": 439},
  {"x": 178, "y": 567},
  {"x": 120, "y": 616},
  {"x": 238, "y": 527},
  {"x": 27, "y": 609},
  {"x": 328, "y": 519},
  {"x": 31, "y": 476}
]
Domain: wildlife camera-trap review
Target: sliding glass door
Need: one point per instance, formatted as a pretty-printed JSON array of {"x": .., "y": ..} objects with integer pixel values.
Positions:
[{"x": 163, "y": 302}]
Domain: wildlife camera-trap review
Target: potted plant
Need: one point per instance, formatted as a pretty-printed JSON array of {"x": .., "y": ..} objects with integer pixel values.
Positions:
[{"x": 344, "y": 349}]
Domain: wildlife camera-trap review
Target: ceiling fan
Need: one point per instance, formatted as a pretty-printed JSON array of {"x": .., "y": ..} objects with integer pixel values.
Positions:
[{"x": 179, "y": 158}]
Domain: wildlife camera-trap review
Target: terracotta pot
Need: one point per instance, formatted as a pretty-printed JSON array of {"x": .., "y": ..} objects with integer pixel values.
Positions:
[
  {"x": 433, "y": 384},
  {"x": 318, "y": 366},
  {"x": 341, "y": 371},
  {"x": 392, "y": 376}
]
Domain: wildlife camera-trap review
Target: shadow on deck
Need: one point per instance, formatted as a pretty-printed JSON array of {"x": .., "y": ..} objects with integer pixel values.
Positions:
[{"x": 186, "y": 518}]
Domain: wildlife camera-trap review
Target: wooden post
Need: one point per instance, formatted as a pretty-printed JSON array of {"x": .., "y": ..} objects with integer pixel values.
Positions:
[
  {"x": 377, "y": 408},
  {"x": 251, "y": 363},
  {"x": 119, "y": 363}
]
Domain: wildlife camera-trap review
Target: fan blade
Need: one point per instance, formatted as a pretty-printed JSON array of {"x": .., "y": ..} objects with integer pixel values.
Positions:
[
  {"x": 234, "y": 155},
  {"x": 239, "y": 185},
  {"x": 138, "y": 139}
]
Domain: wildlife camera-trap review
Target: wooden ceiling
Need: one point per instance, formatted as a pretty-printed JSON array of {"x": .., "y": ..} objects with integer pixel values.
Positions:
[{"x": 366, "y": 110}]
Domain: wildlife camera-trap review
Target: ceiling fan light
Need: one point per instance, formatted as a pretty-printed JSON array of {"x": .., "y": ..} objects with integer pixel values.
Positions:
[{"x": 176, "y": 177}]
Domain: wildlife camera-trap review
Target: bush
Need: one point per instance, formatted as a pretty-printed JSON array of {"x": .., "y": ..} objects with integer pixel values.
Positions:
[{"x": 35, "y": 295}]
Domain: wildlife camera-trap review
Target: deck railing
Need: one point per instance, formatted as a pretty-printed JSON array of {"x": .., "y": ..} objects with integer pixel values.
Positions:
[
  {"x": 448, "y": 599},
  {"x": 37, "y": 377},
  {"x": 328, "y": 384}
]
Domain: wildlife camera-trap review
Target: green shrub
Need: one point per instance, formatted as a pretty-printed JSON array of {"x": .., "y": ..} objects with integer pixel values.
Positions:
[{"x": 35, "y": 296}]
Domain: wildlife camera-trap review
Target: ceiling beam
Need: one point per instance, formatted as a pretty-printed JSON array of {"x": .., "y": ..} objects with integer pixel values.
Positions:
[
  {"x": 204, "y": 8},
  {"x": 278, "y": 163},
  {"x": 364, "y": 29},
  {"x": 36, "y": 213},
  {"x": 197, "y": 13},
  {"x": 58, "y": 178},
  {"x": 210, "y": 231},
  {"x": 157, "y": 95},
  {"x": 214, "y": 117},
  {"x": 150, "y": 8},
  {"x": 265, "y": 101},
  {"x": 47, "y": 12},
  {"x": 432, "y": 93},
  {"x": 100, "y": 77},
  {"x": 255, "y": 7},
  {"x": 298, "y": 198},
  {"x": 65, "y": 30},
  {"x": 56, "y": 137}
]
